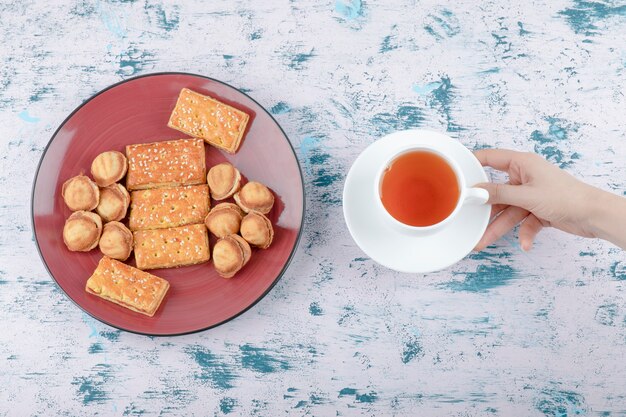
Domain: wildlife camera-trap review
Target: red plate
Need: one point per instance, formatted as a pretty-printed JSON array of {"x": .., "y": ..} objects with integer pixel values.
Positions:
[{"x": 135, "y": 111}]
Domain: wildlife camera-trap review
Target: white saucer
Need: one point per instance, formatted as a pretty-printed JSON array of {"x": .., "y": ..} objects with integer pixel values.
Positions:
[{"x": 392, "y": 248}]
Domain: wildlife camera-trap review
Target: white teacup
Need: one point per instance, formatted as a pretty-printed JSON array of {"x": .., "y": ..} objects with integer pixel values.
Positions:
[{"x": 467, "y": 195}]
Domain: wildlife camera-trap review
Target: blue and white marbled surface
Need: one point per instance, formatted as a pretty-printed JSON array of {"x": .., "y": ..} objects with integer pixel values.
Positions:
[{"x": 501, "y": 333}]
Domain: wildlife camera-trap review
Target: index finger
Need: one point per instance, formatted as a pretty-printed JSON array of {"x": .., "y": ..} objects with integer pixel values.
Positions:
[{"x": 499, "y": 159}]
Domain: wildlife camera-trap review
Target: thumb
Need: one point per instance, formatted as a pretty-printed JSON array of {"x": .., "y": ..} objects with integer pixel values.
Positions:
[{"x": 513, "y": 195}]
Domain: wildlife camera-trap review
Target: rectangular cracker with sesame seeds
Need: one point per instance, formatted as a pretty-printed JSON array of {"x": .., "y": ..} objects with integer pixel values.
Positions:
[
  {"x": 204, "y": 117},
  {"x": 169, "y": 248},
  {"x": 126, "y": 286},
  {"x": 163, "y": 208},
  {"x": 165, "y": 164}
]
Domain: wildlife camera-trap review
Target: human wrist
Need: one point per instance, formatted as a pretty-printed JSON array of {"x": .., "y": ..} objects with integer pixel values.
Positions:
[{"x": 606, "y": 217}]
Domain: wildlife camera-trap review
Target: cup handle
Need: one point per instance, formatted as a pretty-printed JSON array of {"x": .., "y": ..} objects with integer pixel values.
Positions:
[{"x": 476, "y": 196}]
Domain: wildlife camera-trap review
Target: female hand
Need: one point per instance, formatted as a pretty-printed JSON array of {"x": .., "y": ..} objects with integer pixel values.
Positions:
[{"x": 539, "y": 194}]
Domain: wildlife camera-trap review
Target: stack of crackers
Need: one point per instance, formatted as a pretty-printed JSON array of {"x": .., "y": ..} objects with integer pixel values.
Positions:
[{"x": 169, "y": 201}]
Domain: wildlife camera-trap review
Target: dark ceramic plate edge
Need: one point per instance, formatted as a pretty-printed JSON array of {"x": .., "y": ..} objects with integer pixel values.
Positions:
[{"x": 278, "y": 277}]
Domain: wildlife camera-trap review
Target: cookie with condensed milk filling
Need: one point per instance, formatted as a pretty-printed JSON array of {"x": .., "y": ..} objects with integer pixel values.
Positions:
[
  {"x": 255, "y": 196},
  {"x": 80, "y": 193},
  {"x": 114, "y": 201},
  {"x": 108, "y": 168},
  {"x": 224, "y": 180},
  {"x": 81, "y": 231},
  {"x": 257, "y": 230},
  {"x": 224, "y": 219},
  {"x": 116, "y": 241}
]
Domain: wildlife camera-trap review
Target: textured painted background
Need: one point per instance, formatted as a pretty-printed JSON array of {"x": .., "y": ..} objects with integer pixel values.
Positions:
[{"x": 501, "y": 333}]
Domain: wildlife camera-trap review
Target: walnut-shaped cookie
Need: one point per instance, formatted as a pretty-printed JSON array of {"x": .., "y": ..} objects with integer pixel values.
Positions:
[
  {"x": 114, "y": 201},
  {"x": 230, "y": 254},
  {"x": 82, "y": 230},
  {"x": 108, "y": 168},
  {"x": 257, "y": 230},
  {"x": 116, "y": 241},
  {"x": 255, "y": 196},
  {"x": 80, "y": 193},
  {"x": 245, "y": 248},
  {"x": 224, "y": 219},
  {"x": 224, "y": 180}
]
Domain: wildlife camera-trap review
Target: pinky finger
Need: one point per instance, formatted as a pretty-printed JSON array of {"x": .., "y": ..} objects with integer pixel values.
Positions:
[{"x": 528, "y": 230}]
